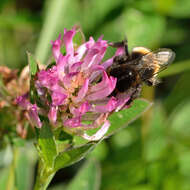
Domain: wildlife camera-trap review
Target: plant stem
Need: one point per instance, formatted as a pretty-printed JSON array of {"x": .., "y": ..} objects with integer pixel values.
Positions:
[
  {"x": 11, "y": 177},
  {"x": 44, "y": 177}
]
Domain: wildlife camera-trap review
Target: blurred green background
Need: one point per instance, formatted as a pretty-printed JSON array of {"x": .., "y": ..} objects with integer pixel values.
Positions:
[{"x": 152, "y": 153}]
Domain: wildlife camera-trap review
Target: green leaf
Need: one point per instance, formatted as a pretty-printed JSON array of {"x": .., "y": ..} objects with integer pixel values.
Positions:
[
  {"x": 175, "y": 35},
  {"x": 176, "y": 69},
  {"x": 4, "y": 175},
  {"x": 122, "y": 118},
  {"x": 142, "y": 187},
  {"x": 125, "y": 137},
  {"x": 180, "y": 9},
  {"x": 156, "y": 140},
  {"x": 32, "y": 64},
  {"x": 60, "y": 186},
  {"x": 25, "y": 165},
  {"x": 96, "y": 13},
  {"x": 73, "y": 155},
  {"x": 180, "y": 121},
  {"x": 18, "y": 142},
  {"x": 100, "y": 152},
  {"x": 184, "y": 163},
  {"x": 180, "y": 93},
  {"x": 46, "y": 145},
  {"x": 155, "y": 173},
  {"x": 143, "y": 29},
  {"x": 88, "y": 177},
  {"x": 172, "y": 181},
  {"x": 123, "y": 169},
  {"x": 6, "y": 156}
]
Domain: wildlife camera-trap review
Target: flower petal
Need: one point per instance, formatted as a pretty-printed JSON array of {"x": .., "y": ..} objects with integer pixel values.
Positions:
[
  {"x": 56, "y": 47},
  {"x": 81, "y": 110},
  {"x": 120, "y": 51},
  {"x": 89, "y": 58},
  {"x": 82, "y": 49},
  {"x": 68, "y": 41},
  {"x": 110, "y": 106},
  {"x": 52, "y": 115},
  {"x": 82, "y": 92},
  {"x": 101, "y": 85},
  {"x": 67, "y": 79},
  {"x": 58, "y": 98},
  {"x": 109, "y": 62},
  {"x": 23, "y": 101},
  {"x": 74, "y": 122},
  {"x": 104, "y": 89},
  {"x": 61, "y": 66},
  {"x": 33, "y": 114},
  {"x": 96, "y": 71},
  {"x": 99, "y": 56},
  {"x": 75, "y": 67},
  {"x": 48, "y": 78},
  {"x": 122, "y": 100},
  {"x": 30, "y": 108}
]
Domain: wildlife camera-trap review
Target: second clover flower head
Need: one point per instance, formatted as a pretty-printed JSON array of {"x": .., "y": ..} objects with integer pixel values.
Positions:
[{"x": 76, "y": 90}]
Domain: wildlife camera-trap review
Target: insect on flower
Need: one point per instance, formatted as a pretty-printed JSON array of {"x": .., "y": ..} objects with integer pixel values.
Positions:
[
  {"x": 80, "y": 91},
  {"x": 140, "y": 66}
]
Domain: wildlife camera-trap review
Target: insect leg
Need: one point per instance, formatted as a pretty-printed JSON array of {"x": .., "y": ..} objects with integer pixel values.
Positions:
[{"x": 123, "y": 44}]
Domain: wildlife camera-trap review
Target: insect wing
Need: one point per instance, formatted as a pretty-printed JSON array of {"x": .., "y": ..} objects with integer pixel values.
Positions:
[
  {"x": 159, "y": 60},
  {"x": 164, "y": 57}
]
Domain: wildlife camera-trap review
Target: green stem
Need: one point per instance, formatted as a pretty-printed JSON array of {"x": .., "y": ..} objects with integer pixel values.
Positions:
[
  {"x": 44, "y": 177},
  {"x": 11, "y": 177}
]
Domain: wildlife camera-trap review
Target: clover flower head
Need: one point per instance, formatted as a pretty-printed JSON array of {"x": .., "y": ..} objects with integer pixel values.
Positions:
[{"x": 77, "y": 90}]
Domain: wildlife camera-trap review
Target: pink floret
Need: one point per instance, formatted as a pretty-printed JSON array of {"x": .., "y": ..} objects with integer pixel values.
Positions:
[
  {"x": 52, "y": 115},
  {"x": 31, "y": 109},
  {"x": 56, "y": 47},
  {"x": 77, "y": 87}
]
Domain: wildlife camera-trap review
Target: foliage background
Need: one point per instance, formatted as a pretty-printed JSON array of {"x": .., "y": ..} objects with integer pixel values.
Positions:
[{"x": 153, "y": 152}]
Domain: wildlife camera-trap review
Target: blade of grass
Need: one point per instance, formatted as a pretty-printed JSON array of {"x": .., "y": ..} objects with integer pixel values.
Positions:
[
  {"x": 53, "y": 17},
  {"x": 176, "y": 68}
]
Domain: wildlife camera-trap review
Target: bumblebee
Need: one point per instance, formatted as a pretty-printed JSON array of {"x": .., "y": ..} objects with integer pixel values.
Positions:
[{"x": 140, "y": 66}]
